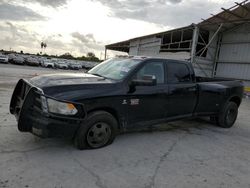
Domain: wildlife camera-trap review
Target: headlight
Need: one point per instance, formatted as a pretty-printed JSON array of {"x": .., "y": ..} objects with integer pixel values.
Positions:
[{"x": 61, "y": 107}]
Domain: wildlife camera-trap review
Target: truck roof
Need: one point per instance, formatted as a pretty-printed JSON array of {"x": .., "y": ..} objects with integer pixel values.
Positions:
[{"x": 149, "y": 57}]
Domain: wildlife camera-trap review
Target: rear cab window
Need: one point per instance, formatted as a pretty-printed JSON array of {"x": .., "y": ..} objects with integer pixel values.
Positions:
[{"x": 178, "y": 73}]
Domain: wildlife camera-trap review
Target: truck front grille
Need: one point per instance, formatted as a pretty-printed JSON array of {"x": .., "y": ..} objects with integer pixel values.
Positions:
[{"x": 20, "y": 93}]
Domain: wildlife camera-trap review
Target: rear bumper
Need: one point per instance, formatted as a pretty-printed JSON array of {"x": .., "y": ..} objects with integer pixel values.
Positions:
[
  {"x": 17, "y": 62},
  {"x": 49, "y": 65},
  {"x": 3, "y": 60},
  {"x": 27, "y": 106}
]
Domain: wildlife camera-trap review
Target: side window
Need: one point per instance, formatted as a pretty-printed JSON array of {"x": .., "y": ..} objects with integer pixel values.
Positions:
[
  {"x": 178, "y": 73},
  {"x": 152, "y": 69}
]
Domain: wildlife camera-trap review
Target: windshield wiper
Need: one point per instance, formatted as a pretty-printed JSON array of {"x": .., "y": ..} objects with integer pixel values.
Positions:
[{"x": 98, "y": 75}]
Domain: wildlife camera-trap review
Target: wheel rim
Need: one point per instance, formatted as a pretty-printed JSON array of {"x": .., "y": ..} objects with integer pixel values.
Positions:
[
  {"x": 231, "y": 115},
  {"x": 98, "y": 135}
]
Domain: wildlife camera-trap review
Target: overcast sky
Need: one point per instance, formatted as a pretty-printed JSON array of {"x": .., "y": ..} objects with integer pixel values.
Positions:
[{"x": 80, "y": 26}]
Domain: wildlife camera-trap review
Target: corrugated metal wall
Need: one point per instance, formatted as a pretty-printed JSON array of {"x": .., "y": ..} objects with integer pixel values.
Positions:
[
  {"x": 234, "y": 57},
  {"x": 150, "y": 46},
  {"x": 203, "y": 67}
]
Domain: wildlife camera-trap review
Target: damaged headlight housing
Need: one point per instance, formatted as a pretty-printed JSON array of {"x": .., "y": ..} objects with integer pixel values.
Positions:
[{"x": 58, "y": 107}]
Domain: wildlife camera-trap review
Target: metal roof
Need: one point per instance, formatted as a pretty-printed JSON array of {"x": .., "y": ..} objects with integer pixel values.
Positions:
[
  {"x": 228, "y": 18},
  {"x": 119, "y": 46},
  {"x": 234, "y": 16},
  {"x": 124, "y": 45}
]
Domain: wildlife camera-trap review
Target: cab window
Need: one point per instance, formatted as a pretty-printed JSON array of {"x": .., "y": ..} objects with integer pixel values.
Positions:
[
  {"x": 178, "y": 73},
  {"x": 155, "y": 69}
]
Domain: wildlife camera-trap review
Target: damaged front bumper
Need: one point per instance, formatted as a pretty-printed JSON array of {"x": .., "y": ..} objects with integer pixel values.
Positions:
[{"x": 29, "y": 105}]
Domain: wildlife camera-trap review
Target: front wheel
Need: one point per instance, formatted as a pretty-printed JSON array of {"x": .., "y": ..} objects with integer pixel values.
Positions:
[
  {"x": 98, "y": 131},
  {"x": 228, "y": 115}
]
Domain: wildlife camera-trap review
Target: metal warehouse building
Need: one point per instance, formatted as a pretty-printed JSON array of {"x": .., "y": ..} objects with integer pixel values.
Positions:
[{"x": 217, "y": 47}]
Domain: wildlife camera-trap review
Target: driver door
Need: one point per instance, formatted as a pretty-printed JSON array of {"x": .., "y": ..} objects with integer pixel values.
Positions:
[{"x": 148, "y": 103}]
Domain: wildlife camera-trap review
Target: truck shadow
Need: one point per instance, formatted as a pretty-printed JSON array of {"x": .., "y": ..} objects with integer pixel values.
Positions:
[{"x": 187, "y": 126}]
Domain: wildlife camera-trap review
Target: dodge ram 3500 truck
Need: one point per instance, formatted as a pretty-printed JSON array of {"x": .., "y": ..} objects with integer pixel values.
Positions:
[{"x": 120, "y": 94}]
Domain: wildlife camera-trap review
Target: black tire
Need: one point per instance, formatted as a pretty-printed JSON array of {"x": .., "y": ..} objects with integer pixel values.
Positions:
[
  {"x": 228, "y": 115},
  {"x": 99, "y": 130}
]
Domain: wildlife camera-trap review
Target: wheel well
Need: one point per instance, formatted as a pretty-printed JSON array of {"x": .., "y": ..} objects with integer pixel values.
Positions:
[
  {"x": 235, "y": 99},
  {"x": 109, "y": 110}
]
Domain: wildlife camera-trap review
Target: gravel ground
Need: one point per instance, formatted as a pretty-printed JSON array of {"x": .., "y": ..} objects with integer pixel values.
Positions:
[{"x": 192, "y": 153}]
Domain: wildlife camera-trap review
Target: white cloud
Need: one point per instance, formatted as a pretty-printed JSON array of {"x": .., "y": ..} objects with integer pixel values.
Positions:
[
  {"x": 18, "y": 13},
  {"x": 78, "y": 26},
  {"x": 172, "y": 13}
]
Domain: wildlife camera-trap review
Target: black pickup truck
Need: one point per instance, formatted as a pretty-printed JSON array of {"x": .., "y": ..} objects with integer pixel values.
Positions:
[{"x": 121, "y": 94}]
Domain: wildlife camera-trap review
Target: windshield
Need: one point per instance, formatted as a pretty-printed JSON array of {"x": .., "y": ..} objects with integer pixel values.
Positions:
[{"x": 115, "y": 69}]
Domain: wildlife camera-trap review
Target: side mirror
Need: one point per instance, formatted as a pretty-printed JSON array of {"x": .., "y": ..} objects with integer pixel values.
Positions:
[{"x": 147, "y": 80}]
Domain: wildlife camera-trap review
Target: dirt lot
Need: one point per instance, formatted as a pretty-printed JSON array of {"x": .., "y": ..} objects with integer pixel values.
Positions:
[{"x": 189, "y": 153}]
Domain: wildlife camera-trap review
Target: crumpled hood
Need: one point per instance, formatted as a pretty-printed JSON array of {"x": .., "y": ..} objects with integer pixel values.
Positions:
[
  {"x": 66, "y": 79},
  {"x": 74, "y": 86}
]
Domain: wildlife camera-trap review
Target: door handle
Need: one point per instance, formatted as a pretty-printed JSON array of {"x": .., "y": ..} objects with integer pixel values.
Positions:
[
  {"x": 192, "y": 89},
  {"x": 160, "y": 92}
]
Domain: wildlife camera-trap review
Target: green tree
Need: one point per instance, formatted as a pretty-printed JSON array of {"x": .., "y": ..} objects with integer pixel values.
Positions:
[
  {"x": 67, "y": 56},
  {"x": 90, "y": 55}
]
